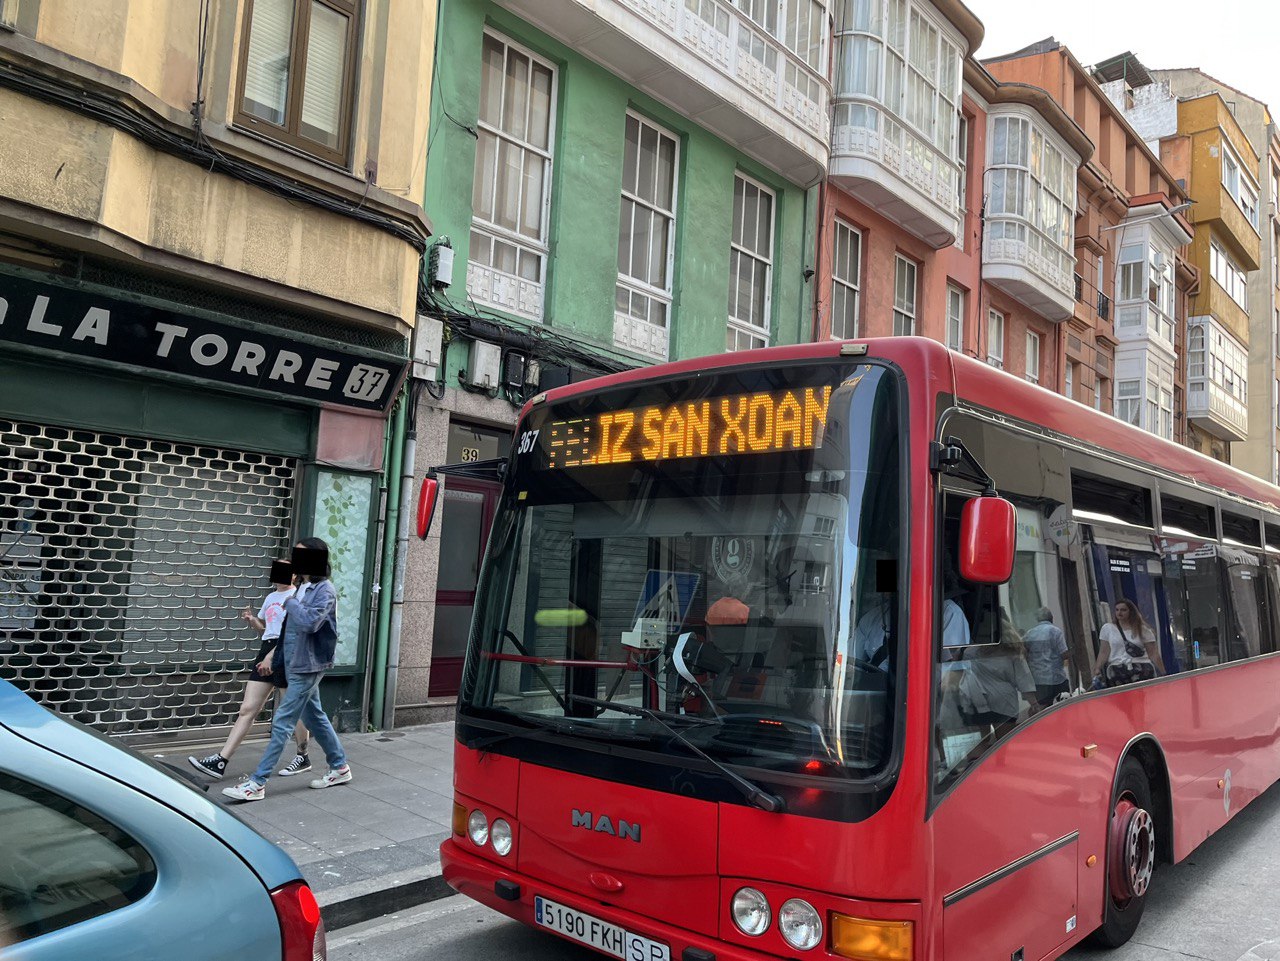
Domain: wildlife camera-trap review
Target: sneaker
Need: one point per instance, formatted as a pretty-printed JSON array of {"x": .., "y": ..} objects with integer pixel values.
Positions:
[
  {"x": 300, "y": 764},
  {"x": 246, "y": 790},
  {"x": 333, "y": 776},
  {"x": 214, "y": 766}
]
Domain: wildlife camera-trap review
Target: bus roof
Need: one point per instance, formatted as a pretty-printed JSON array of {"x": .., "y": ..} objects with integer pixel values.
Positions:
[{"x": 975, "y": 383}]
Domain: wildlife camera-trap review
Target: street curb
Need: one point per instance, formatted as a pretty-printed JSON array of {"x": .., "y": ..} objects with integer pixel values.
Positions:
[{"x": 376, "y": 904}]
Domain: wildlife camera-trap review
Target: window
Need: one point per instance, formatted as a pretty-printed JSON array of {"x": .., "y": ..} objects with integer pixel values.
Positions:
[
  {"x": 1100, "y": 393},
  {"x": 1238, "y": 183},
  {"x": 1033, "y": 357},
  {"x": 845, "y": 281},
  {"x": 995, "y": 338},
  {"x": 646, "y": 231},
  {"x": 955, "y": 317},
  {"x": 1069, "y": 380},
  {"x": 1228, "y": 276},
  {"x": 70, "y": 865},
  {"x": 750, "y": 265},
  {"x": 904, "y": 297},
  {"x": 297, "y": 73},
  {"x": 8, "y": 13},
  {"x": 1031, "y": 191},
  {"x": 1131, "y": 286},
  {"x": 895, "y": 58},
  {"x": 510, "y": 195},
  {"x": 962, "y": 183},
  {"x": 1129, "y": 401}
]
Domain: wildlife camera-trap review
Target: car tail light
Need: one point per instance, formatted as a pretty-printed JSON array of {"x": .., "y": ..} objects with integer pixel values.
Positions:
[{"x": 301, "y": 927}]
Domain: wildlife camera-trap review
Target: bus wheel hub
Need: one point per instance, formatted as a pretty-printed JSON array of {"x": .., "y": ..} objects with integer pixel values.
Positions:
[{"x": 1133, "y": 851}]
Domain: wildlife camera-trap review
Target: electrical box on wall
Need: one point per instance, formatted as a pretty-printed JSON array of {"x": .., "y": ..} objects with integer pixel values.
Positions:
[
  {"x": 428, "y": 336},
  {"x": 483, "y": 370}
]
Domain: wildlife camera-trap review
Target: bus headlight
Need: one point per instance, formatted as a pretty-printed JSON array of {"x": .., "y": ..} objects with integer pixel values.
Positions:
[
  {"x": 800, "y": 924},
  {"x": 750, "y": 911},
  {"x": 478, "y": 828},
  {"x": 500, "y": 835}
]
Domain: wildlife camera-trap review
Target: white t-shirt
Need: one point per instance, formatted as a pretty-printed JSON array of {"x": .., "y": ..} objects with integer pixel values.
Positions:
[
  {"x": 1119, "y": 654},
  {"x": 272, "y": 613}
]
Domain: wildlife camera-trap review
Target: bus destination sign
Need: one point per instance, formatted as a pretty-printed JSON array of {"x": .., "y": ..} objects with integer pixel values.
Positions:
[{"x": 755, "y": 423}]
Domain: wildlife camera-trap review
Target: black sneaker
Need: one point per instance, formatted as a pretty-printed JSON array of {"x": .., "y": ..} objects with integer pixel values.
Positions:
[
  {"x": 214, "y": 766},
  {"x": 299, "y": 764}
]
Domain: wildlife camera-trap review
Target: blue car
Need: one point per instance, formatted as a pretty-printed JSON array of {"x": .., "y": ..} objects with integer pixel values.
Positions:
[{"x": 106, "y": 856}]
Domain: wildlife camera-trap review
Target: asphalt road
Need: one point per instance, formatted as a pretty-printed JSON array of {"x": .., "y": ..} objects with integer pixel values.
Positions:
[{"x": 1221, "y": 904}]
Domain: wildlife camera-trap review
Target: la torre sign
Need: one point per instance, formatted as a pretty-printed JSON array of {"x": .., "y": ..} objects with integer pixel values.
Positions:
[{"x": 72, "y": 321}]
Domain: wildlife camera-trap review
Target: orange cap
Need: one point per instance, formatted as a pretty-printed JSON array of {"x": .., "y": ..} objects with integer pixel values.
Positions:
[{"x": 728, "y": 610}]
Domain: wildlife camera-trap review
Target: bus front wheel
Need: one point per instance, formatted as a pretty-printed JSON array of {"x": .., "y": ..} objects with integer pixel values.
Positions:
[{"x": 1131, "y": 856}]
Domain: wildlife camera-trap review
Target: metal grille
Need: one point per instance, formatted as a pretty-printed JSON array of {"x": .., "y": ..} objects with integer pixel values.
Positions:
[{"x": 123, "y": 565}]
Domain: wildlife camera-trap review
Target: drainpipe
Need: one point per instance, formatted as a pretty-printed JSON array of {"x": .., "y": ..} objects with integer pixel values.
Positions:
[
  {"x": 371, "y": 617},
  {"x": 387, "y": 573},
  {"x": 401, "y": 558}
]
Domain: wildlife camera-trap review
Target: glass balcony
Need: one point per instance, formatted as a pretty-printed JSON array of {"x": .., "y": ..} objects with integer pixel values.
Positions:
[
  {"x": 1217, "y": 389},
  {"x": 762, "y": 86}
]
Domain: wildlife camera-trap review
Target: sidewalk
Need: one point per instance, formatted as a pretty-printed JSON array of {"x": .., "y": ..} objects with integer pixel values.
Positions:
[{"x": 369, "y": 847}]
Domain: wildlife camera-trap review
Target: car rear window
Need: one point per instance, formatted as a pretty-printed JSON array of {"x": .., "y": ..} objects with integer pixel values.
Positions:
[{"x": 61, "y": 864}]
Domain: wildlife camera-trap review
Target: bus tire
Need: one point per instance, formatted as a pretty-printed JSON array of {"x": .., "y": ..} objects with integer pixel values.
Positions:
[{"x": 1131, "y": 856}]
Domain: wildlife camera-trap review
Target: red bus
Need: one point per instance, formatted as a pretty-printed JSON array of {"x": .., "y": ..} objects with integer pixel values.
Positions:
[{"x": 739, "y": 687}]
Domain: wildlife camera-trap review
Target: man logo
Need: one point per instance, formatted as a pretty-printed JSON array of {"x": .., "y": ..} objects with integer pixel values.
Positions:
[{"x": 604, "y": 825}]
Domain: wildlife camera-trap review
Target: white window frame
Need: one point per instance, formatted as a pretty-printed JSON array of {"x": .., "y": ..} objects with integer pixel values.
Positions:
[
  {"x": 995, "y": 338},
  {"x": 962, "y": 181},
  {"x": 1238, "y": 182},
  {"x": 1031, "y": 195},
  {"x": 905, "y": 312},
  {"x": 8, "y": 13},
  {"x": 1128, "y": 404},
  {"x": 737, "y": 328},
  {"x": 893, "y": 84},
  {"x": 1033, "y": 346},
  {"x": 955, "y": 317},
  {"x": 1233, "y": 281},
  {"x": 1069, "y": 380},
  {"x": 634, "y": 285},
  {"x": 851, "y": 286},
  {"x": 540, "y": 246}
]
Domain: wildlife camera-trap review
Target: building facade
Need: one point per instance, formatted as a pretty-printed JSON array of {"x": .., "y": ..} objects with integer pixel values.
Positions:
[
  {"x": 621, "y": 182},
  {"x": 1125, "y": 339},
  {"x": 1259, "y": 451},
  {"x": 211, "y": 228},
  {"x": 1201, "y": 143},
  {"x": 949, "y": 212}
]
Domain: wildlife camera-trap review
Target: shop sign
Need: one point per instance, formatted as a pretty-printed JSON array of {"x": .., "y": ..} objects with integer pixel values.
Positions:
[{"x": 73, "y": 321}]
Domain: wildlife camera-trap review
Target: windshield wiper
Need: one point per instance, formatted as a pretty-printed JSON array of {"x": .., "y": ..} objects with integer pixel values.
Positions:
[
  {"x": 753, "y": 793},
  {"x": 545, "y": 727}
]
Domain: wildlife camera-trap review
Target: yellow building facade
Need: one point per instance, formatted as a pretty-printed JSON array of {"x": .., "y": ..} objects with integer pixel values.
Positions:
[
  {"x": 211, "y": 232},
  {"x": 1221, "y": 170}
]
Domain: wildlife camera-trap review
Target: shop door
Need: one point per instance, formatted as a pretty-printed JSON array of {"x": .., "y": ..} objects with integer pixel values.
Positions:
[
  {"x": 124, "y": 562},
  {"x": 467, "y": 518}
]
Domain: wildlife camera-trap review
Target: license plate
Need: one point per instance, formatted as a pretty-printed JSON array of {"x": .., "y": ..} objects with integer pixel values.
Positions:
[{"x": 598, "y": 934}]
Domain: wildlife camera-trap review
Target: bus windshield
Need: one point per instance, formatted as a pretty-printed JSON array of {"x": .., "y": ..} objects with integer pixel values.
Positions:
[{"x": 720, "y": 550}]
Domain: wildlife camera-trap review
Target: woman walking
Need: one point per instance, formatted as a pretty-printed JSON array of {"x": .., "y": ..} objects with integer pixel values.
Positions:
[
  {"x": 265, "y": 676},
  {"x": 308, "y": 640}
]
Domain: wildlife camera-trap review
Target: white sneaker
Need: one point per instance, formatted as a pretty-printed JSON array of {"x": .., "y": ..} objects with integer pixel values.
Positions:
[
  {"x": 331, "y": 777},
  {"x": 246, "y": 790}
]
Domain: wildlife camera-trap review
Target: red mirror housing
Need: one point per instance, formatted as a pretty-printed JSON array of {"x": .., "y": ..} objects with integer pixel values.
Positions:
[
  {"x": 987, "y": 540},
  {"x": 427, "y": 505}
]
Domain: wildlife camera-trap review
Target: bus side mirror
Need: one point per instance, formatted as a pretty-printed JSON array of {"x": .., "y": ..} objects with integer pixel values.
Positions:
[
  {"x": 987, "y": 538},
  {"x": 427, "y": 505}
]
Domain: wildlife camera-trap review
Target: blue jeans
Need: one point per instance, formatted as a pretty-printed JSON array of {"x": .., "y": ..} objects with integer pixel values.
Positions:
[{"x": 301, "y": 700}]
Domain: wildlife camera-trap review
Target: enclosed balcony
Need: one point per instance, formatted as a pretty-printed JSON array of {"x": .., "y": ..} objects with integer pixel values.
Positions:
[
  {"x": 1030, "y": 230},
  {"x": 758, "y": 83},
  {"x": 1217, "y": 389},
  {"x": 895, "y": 139}
]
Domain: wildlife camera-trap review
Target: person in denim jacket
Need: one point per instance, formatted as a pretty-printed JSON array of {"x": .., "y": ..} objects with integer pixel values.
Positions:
[{"x": 308, "y": 641}]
